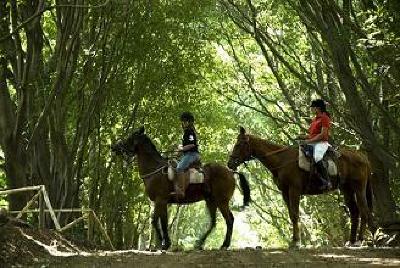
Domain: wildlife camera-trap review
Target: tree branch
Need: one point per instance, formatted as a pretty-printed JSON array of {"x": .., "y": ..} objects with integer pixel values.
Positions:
[{"x": 40, "y": 11}]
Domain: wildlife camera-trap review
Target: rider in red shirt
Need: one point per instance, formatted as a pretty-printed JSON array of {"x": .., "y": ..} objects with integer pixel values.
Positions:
[
  {"x": 318, "y": 135},
  {"x": 319, "y": 128}
]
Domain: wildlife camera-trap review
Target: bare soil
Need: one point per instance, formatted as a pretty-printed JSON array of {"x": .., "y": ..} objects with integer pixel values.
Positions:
[
  {"x": 21, "y": 247},
  {"x": 322, "y": 257}
]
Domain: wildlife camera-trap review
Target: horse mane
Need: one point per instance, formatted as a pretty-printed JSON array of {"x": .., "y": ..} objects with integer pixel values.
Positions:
[
  {"x": 149, "y": 145},
  {"x": 265, "y": 142}
]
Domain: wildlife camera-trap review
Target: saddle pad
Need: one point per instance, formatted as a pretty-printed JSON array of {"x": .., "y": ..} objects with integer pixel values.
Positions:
[
  {"x": 304, "y": 164},
  {"x": 195, "y": 176},
  {"x": 171, "y": 173}
]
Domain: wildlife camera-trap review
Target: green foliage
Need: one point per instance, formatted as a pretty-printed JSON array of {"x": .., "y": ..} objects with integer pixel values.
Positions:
[
  {"x": 3, "y": 182},
  {"x": 145, "y": 62},
  {"x": 191, "y": 58}
]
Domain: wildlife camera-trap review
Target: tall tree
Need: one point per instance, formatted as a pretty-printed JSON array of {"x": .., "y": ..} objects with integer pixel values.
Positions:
[{"x": 342, "y": 69}]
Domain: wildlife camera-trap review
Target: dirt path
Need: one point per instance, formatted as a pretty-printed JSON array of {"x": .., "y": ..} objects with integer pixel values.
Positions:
[
  {"x": 328, "y": 257},
  {"x": 22, "y": 247}
]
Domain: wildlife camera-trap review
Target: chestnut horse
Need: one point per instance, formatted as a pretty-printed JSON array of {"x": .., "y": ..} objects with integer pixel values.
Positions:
[
  {"x": 354, "y": 172},
  {"x": 217, "y": 191}
]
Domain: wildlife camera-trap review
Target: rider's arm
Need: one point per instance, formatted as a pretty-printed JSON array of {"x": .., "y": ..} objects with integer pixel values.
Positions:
[
  {"x": 187, "y": 147},
  {"x": 190, "y": 137},
  {"x": 318, "y": 137},
  {"x": 324, "y": 134}
]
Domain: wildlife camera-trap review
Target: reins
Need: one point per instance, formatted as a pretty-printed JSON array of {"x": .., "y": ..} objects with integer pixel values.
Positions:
[
  {"x": 278, "y": 151},
  {"x": 275, "y": 152},
  {"x": 157, "y": 170},
  {"x": 153, "y": 172},
  {"x": 284, "y": 165}
]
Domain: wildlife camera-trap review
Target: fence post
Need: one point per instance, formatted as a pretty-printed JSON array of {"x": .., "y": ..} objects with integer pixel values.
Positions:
[
  {"x": 103, "y": 230},
  {"x": 41, "y": 210},
  {"x": 90, "y": 226},
  {"x": 50, "y": 208}
]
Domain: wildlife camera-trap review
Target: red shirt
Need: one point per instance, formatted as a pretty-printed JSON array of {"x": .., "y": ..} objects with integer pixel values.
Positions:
[{"x": 317, "y": 124}]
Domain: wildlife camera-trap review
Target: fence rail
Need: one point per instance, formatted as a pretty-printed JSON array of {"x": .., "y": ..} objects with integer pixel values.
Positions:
[{"x": 43, "y": 198}]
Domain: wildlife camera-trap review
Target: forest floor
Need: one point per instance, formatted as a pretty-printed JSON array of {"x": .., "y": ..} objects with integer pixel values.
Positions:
[{"x": 21, "y": 247}]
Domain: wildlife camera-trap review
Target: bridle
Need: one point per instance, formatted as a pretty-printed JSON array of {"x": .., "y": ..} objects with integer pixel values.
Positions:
[
  {"x": 129, "y": 157},
  {"x": 248, "y": 157},
  {"x": 251, "y": 157}
]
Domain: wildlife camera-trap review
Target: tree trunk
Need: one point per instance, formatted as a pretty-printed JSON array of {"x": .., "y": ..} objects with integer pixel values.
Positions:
[
  {"x": 384, "y": 205},
  {"x": 381, "y": 160}
]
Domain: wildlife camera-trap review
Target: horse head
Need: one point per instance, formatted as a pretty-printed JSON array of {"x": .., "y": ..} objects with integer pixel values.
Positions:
[
  {"x": 241, "y": 151},
  {"x": 127, "y": 148}
]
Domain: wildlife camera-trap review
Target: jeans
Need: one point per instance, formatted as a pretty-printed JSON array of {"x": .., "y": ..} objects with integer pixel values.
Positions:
[{"x": 187, "y": 159}]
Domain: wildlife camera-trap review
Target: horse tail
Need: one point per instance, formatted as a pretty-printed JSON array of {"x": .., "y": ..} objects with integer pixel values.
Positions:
[
  {"x": 369, "y": 192},
  {"x": 244, "y": 185}
]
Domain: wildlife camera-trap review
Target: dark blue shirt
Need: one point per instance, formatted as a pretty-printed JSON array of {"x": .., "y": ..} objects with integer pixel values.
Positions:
[{"x": 189, "y": 137}]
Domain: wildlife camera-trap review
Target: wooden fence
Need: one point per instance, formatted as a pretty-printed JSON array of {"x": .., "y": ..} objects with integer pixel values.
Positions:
[{"x": 45, "y": 207}]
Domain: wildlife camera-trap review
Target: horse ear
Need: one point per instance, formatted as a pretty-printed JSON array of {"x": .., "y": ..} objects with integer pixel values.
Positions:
[
  {"x": 242, "y": 130},
  {"x": 141, "y": 130}
]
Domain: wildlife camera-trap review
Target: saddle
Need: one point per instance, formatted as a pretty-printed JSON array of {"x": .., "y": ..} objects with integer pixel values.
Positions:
[
  {"x": 306, "y": 163},
  {"x": 191, "y": 183},
  {"x": 194, "y": 174},
  {"x": 196, "y": 164},
  {"x": 330, "y": 159}
]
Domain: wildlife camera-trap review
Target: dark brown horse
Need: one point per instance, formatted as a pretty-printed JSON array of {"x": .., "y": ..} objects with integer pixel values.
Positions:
[
  {"x": 217, "y": 191},
  {"x": 354, "y": 171}
]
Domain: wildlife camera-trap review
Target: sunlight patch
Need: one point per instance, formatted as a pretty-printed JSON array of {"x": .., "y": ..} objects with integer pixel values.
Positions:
[
  {"x": 352, "y": 258},
  {"x": 248, "y": 237},
  {"x": 52, "y": 249}
]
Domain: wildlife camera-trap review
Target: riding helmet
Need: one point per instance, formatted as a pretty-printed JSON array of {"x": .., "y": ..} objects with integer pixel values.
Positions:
[
  {"x": 187, "y": 116},
  {"x": 318, "y": 103}
]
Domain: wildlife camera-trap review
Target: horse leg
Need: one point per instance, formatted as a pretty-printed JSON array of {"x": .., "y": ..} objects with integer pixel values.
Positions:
[
  {"x": 351, "y": 204},
  {"x": 163, "y": 212},
  {"x": 212, "y": 210},
  {"x": 155, "y": 223},
  {"x": 292, "y": 200},
  {"x": 366, "y": 215},
  {"x": 228, "y": 216},
  {"x": 361, "y": 231}
]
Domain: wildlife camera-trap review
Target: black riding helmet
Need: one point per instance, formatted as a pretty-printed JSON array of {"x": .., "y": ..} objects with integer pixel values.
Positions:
[
  {"x": 318, "y": 103},
  {"x": 187, "y": 117}
]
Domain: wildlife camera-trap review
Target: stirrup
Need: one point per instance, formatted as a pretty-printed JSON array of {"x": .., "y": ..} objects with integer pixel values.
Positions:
[
  {"x": 178, "y": 193},
  {"x": 327, "y": 186}
]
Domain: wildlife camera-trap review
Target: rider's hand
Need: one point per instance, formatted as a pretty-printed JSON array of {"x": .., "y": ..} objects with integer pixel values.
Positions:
[
  {"x": 300, "y": 141},
  {"x": 301, "y": 137},
  {"x": 180, "y": 148}
]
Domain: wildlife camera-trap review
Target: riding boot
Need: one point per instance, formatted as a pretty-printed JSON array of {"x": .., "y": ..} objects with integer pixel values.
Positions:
[{"x": 324, "y": 176}]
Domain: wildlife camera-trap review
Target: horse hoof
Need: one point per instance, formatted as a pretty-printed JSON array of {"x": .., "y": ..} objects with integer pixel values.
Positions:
[
  {"x": 165, "y": 246},
  {"x": 348, "y": 244},
  {"x": 224, "y": 248},
  {"x": 355, "y": 244},
  {"x": 294, "y": 245},
  {"x": 198, "y": 247}
]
